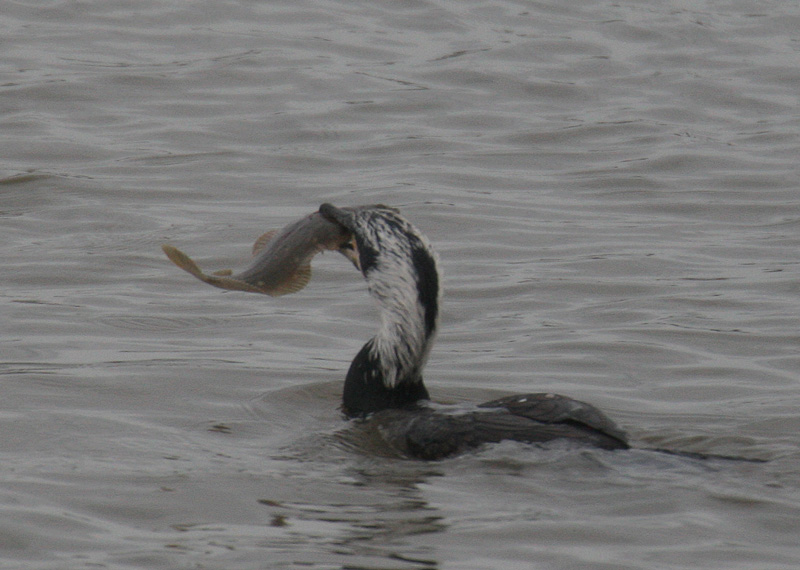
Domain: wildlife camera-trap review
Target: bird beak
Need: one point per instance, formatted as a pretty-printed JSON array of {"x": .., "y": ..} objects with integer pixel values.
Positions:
[
  {"x": 338, "y": 216},
  {"x": 343, "y": 218},
  {"x": 349, "y": 249}
]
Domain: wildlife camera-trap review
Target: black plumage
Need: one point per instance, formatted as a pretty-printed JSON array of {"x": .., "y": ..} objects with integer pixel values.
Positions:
[{"x": 384, "y": 385}]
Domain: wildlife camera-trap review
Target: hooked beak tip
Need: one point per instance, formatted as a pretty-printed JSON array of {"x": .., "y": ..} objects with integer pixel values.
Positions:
[{"x": 350, "y": 251}]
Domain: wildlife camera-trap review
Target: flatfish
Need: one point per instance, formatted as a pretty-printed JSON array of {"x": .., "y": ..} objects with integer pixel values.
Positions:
[{"x": 281, "y": 258}]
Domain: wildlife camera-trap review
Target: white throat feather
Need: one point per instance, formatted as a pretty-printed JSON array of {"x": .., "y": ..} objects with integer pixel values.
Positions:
[{"x": 401, "y": 270}]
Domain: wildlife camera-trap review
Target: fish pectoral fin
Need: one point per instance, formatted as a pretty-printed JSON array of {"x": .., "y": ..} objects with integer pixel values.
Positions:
[
  {"x": 263, "y": 240},
  {"x": 223, "y": 273},
  {"x": 295, "y": 282}
]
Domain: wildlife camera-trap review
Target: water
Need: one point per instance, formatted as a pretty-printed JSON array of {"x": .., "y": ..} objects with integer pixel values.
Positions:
[{"x": 613, "y": 190}]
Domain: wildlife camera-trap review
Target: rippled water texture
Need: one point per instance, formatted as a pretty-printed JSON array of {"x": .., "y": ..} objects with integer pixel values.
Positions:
[{"x": 613, "y": 190}]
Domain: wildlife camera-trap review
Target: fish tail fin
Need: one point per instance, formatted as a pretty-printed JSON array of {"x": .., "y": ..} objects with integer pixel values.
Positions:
[
  {"x": 182, "y": 260},
  {"x": 218, "y": 280}
]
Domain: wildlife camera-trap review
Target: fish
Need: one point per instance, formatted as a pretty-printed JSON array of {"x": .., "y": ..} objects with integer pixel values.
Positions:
[{"x": 281, "y": 258}]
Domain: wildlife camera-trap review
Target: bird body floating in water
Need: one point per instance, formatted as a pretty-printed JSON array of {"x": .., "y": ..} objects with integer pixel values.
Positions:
[
  {"x": 384, "y": 383},
  {"x": 384, "y": 387}
]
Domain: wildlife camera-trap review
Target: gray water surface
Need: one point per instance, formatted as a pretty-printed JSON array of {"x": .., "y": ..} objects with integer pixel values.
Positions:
[{"x": 612, "y": 188}]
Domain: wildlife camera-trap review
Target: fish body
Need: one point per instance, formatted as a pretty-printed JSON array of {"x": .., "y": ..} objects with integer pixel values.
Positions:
[{"x": 282, "y": 259}]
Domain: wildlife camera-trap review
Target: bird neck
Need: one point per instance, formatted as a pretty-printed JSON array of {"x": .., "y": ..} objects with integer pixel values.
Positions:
[
  {"x": 402, "y": 277},
  {"x": 366, "y": 390},
  {"x": 387, "y": 372}
]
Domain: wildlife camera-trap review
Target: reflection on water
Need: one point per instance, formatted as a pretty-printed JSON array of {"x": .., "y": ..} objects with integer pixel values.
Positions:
[
  {"x": 612, "y": 189},
  {"x": 369, "y": 521}
]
